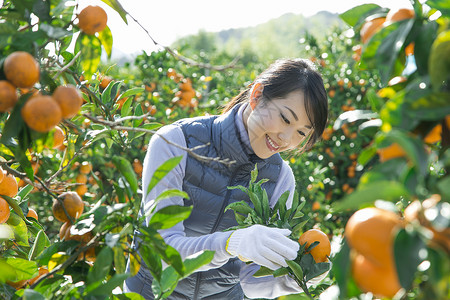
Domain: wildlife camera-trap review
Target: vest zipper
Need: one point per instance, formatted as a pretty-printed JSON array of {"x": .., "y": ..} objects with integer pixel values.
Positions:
[{"x": 219, "y": 218}]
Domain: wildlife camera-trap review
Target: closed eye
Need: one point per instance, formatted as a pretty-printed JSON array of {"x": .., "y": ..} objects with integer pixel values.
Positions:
[
  {"x": 285, "y": 119},
  {"x": 301, "y": 133}
]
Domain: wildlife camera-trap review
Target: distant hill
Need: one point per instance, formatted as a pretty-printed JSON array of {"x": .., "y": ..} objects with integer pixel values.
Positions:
[{"x": 276, "y": 38}]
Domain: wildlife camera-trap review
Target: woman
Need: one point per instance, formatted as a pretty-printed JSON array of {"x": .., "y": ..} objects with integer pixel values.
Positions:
[{"x": 285, "y": 105}]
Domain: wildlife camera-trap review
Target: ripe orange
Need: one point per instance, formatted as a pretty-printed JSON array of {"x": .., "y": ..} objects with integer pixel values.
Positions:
[
  {"x": 370, "y": 28},
  {"x": 370, "y": 277},
  {"x": 32, "y": 214},
  {"x": 105, "y": 81},
  {"x": 81, "y": 189},
  {"x": 137, "y": 166},
  {"x": 58, "y": 137},
  {"x": 69, "y": 99},
  {"x": 73, "y": 204},
  {"x": 390, "y": 152},
  {"x": 322, "y": 250},
  {"x": 409, "y": 50},
  {"x": 63, "y": 230},
  {"x": 8, "y": 96},
  {"x": 21, "y": 69},
  {"x": 399, "y": 14},
  {"x": 85, "y": 167},
  {"x": 316, "y": 205},
  {"x": 4, "y": 211},
  {"x": 92, "y": 19},
  {"x": 370, "y": 231},
  {"x": 9, "y": 186},
  {"x": 41, "y": 113},
  {"x": 434, "y": 136},
  {"x": 81, "y": 178}
]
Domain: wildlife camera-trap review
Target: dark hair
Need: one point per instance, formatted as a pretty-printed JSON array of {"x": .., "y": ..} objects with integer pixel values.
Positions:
[{"x": 285, "y": 76}]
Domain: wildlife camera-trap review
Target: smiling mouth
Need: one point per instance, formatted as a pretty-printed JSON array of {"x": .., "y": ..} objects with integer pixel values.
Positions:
[{"x": 271, "y": 144}]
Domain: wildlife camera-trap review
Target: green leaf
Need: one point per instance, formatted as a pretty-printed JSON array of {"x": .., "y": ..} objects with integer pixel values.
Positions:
[
  {"x": 54, "y": 32},
  {"x": 171, "y": 193},
  {"x": 105, "y": 289},
  {"x": 131, "y": 92},
  {"x": 102, "y": 266},
  {"x": 169, "y": 216},
  {"x": 263, "y": 271},
  {"x": 280, "y": 272},
  {"x": 127, "y": 296},
  {"x": 91, "y": 51},
  {"x": 254, "y": 174},
  {"x": 265, "y": 205},
  {"x": 152, "y": 260},
  {"x": 241, "y": 207},
  {"x": 199, "y": 260},
  {"x": 29, "y": 294},
  {"x": 117, "y": 7},
  {"x": 386, "y": 190},
  {"x": 282, "y": 204},
  {"x": 256, "y": 203},
  {"x": 353, "y": 15},
  {"x": 296, "y": 269},
  {"x": 442, "y": 5},
  {"x": 341, "y": 269},
  {"x": 24, "y": 269},
  {"x": 15, "y": 206},
  {"x": 23, "y": 192},
  {"x": 367, "y": 154},
  {"x": 126, "y": 169},
  {"x": 19, "y": 228},
  {"x": 384, "y": 47},
  {"x": 110, "y": 93},
  {"x": 106, "y": 39},
  {"x": 407, "y": 252},
  {"x": 40, "y": 243},
  {"x": 317, "y": 269},
  {"x": 439, "y": 61},
  {"x": 162, "y": 171},
  {"x": 119, "y": 259}
]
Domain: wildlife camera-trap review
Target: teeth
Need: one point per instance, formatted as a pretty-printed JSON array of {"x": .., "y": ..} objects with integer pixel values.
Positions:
[{"x": 271, "y": 143}]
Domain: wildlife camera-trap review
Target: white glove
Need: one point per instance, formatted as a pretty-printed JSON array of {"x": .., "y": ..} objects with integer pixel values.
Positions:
[{"x": 265, "y": 246}]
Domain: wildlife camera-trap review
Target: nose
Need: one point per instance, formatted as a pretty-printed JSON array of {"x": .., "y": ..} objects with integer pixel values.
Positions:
[{"x": 285, "y": 137}]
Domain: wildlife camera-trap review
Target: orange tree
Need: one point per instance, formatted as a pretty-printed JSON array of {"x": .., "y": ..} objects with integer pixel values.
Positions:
[
  {"x": 66, "y": 135},
  {"x": 408, "y": 157}
]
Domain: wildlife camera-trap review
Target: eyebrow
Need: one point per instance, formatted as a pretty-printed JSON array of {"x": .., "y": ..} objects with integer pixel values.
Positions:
[{"x": 295, "y": 116}]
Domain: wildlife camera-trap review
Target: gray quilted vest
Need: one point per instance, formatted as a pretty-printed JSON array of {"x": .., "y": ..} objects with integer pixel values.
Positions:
[{"x": 206, "y": 184}]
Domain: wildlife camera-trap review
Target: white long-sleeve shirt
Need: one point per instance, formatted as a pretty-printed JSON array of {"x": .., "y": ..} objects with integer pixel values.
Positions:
[{"x": 158, "y": 152}]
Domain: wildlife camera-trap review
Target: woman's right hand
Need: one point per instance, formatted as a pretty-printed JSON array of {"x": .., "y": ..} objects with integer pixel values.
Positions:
[{"x": 265, "y": 246}]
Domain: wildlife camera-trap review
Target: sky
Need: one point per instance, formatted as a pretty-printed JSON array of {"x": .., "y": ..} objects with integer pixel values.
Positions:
[{"x": 167, "y": 20}]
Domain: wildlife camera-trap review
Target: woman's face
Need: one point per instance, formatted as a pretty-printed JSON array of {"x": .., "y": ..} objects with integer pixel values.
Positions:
[{"x": 277, "y": 125}]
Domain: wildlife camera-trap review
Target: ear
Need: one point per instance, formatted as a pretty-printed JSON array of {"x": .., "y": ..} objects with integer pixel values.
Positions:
[{"x": 256, "y": 94}]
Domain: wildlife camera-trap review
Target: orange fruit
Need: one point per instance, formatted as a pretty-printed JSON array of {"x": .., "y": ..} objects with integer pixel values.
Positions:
[
  {"x": 85, "y": 167},
  {"x": 399, "y": 14},
  {"x": 382, "y": 281},
  {"x": 63, "y": 230},
  {"x": 81, "y": 189},
  {"x": 369, "y": 28},
  {"x": 9, "y": 186},
  {"x": 92, "y": 19},
  {"x": 316, "y": 205},
  {"x": 434, "y": 135},
  {"x": 21, "y": 69},
  {"x": 32, "y": 214},
  {"x": 73, "y": 204},
  {"x": 105, "y": 81},
  {"x": 4, "y": 210},
  {"x": 41, "y": 113},
  {"x": 320, "y": 252},
  {"x": 58, "y": 137},
  {"x": 42, "y": 271},
  {"x": 69, "y": 100},
  {"x": 370, "y": 231},
  {"x": 8, "y": 96},
  {"x": 81, "y": 178},
  {"x": 137, "y": 166},
  {"x": 390, "y": 152}
]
